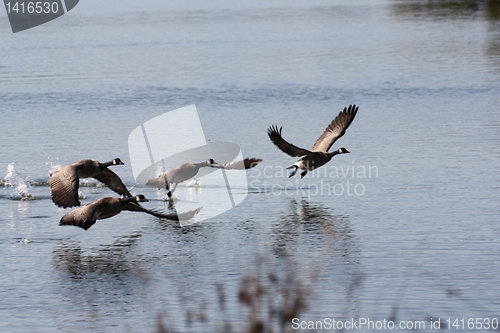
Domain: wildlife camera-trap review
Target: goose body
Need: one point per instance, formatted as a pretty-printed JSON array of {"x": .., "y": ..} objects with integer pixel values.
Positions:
[
  {"x": 318, "y": 155},
  {"x": 64, "y": 183},
  {"x": 100, "y": 209},
  {"x": 178, "y": 175},
  {"x": 187, "y": 171}
]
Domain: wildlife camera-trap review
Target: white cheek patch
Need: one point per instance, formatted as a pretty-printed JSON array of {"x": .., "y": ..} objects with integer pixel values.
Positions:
[{"x": 299, "y": 164}]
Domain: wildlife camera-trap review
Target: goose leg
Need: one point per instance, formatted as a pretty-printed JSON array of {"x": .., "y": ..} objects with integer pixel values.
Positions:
[
  {"x": 165, "y": 180},
  {"x": 170, "y": 192},
  {"x": 167, "y": 187},
  {"x": 303, "y": 174},
  {"x": 294, "y": 171}
]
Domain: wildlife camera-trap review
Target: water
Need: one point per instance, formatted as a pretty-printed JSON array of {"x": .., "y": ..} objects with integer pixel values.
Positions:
[{"x": 404, "y": 227}]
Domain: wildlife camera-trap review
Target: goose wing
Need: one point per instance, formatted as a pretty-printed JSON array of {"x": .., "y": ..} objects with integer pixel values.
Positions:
[
  {"x": 335, "y": 130},
  {"x": 64, "y": 184},
  {"x": 283, "y": 145},
  {"x": 82, "y": 217},
  {"x": 114, "y": 182},
  {"x": 247, "y": 163},
  {"x": 135, "y": 207}
]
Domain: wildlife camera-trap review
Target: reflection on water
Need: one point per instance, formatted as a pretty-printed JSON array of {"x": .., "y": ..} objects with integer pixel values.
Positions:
[
  {"x": 447, "y": 9},
  {"x": 307, "y": 243},
  {"x": 457, "y": 10},
  {"x": 110, "y": 275},
  {"x": 110, "y": 260},
  {"x": 308, "y": 218},
  {"x": 314, "y": 241},
  {"x": 493, "y": 9}
]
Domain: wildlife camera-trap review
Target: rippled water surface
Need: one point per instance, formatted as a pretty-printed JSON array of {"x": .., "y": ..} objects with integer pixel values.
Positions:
[{"x": 405, "y": 227}]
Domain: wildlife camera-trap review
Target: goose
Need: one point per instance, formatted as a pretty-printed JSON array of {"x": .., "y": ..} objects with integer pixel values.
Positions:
[
  {"x": 64, "y": 183},
  {"x": 187, "y": 171},
  {"x": 100, "y": 209},
  {"x": 178, "y": 175},
  {"x": 318, "y": 155}
]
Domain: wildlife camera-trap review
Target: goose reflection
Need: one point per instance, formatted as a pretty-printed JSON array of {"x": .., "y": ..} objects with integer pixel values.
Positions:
[
  {"x": 439, "y": 9},
  {"x": 88, "y": 276},
  {"x": 107, "y": 260},
  {"x": 307, "y": 227}
]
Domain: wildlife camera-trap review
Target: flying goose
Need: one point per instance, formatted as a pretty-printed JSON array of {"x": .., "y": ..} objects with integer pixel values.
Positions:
[
  {"x": 187, "y": 171},
  {"x": 64, "y": 183},
  {"x": 318, "y": 155},
  {"x": 85, "y": 217},
  {"x": 178, "y": 175}
]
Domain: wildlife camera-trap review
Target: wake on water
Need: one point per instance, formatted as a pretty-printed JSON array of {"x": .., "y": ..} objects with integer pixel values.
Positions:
[
  {"x": 21, "y": 192},
  {"x": 19, "y": 183}
]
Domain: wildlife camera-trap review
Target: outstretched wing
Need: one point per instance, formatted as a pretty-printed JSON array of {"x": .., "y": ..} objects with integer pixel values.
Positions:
[
  {"x": 135, "y": 207},
  {"x": 64, "y": 184},
  {"x": 335, "y": 130},
  {"x": 111, "y": 179},
  {"x": 283, "y": 145},
  {"x": 247, "y": 163},
  {"x": 82, "y": 217}
]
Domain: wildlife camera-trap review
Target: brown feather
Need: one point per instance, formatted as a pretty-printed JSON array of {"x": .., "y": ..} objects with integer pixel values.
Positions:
[
  {"x": 113, "y": 181},
  {"x": 335, "y": 130},
  {"x": 65, "y": 182},
  {"x": 283, "y": 145}
]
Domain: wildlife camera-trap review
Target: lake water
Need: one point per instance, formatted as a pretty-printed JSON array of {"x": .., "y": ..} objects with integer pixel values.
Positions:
[{"x": 404, "y": 228}]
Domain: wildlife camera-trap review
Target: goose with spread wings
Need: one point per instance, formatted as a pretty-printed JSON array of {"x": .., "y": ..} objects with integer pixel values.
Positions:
[
  {"x": 178, "y": 174},
  {"x": 318, "y": 155},
  {"x": 64, "y": 182},
  {"x": 100, "y": 209},
  {"x": 188, "y": 170}
]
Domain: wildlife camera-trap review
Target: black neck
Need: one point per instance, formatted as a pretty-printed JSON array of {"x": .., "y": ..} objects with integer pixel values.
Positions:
[
  {"x": 333, "y": 153},
  {"x": 127, "y": 200},
  {"x": 105, "y": 164}
]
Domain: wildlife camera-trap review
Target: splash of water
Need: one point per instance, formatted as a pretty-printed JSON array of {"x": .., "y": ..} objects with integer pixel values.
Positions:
[
  {"x": 53, "y": 166},
  {"x": 194, "y": 182},
  {"x": 26, "y": 240},
  {"x": 20, "y": 184},
  {"x": 172, "y": 199}
]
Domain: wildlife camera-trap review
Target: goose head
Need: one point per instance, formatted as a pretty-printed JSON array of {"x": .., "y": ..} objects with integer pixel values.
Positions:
[
  {"x": 141, "y": 198},
  {"x": 211, "y": 162},
  {"x": 117, "y": 161},
  {"x": 343, "y": 151}
]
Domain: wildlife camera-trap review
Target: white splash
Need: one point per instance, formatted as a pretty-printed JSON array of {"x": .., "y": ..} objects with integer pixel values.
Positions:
[
  {"x": 21, "y": 185},
  {"x": 53, "y": 166},
  {"x": 194, "y": 182},
  {"x": 166, "y": 198}
]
